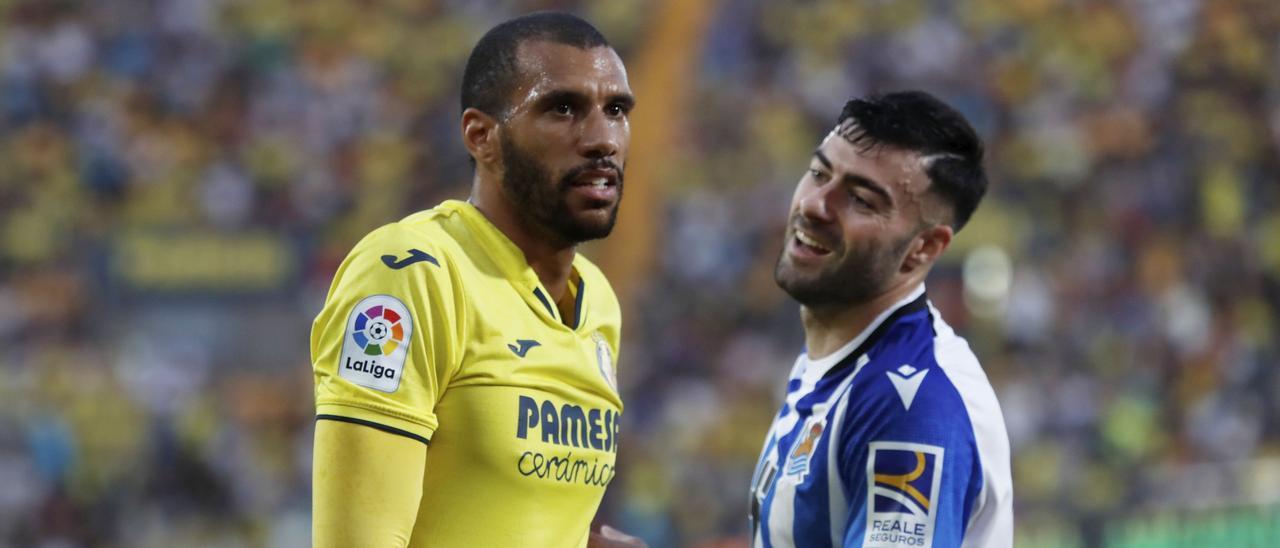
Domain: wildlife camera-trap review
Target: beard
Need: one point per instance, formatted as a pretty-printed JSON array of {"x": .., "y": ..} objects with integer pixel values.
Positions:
[
  {"x": 862, "y": 273},
  {"x": 543, "y": 205}
]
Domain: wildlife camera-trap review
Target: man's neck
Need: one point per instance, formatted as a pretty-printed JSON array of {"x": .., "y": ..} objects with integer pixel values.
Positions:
[
  {"x": 551, "y": 260},
  {"x": 827, "y": 329}
]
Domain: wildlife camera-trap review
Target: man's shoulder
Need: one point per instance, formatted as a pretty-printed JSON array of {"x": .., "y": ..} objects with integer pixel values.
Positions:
[
  {"x": 956, "y": 360},
  {"x": 926, "y": 387},
  {"x": 906, "y": 392},
  {"x": 922, "y": 373},
  {"x": 418, "y": 253},
  {"x": 435, "y": 237},
  {"x": 435, "y": 229}
]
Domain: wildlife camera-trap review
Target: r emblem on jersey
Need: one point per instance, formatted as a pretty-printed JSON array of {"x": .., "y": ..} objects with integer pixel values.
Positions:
[
  {"x": 375, "y": 343},
  {"x": 802, "y": 453},
  {"x": 903, "y": 480}
]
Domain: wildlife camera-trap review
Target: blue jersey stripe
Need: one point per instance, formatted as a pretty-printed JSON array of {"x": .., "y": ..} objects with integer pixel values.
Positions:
[{"x": 813, "y": 528}]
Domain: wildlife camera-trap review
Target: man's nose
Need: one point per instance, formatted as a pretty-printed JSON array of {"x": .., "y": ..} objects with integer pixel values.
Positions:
[
  {"x": 601, "y": 137},
  {"x": 815, "y": 203}
]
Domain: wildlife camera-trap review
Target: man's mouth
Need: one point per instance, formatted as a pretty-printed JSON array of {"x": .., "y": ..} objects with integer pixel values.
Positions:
[
  {"x": 597, "y": 182},
  {"x": 598, "y": 178},
  {"x": 597, "y": 185},
  {"x": 808, "y": 245}
]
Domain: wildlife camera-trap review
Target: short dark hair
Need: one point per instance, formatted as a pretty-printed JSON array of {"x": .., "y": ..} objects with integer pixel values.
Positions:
[
  {"x": 491, "y": 72},
  {"x": 919, "y": 122}
]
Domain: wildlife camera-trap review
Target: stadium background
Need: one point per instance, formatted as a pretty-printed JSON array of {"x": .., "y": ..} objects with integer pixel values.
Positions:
[{"x": 180, "y": 178}]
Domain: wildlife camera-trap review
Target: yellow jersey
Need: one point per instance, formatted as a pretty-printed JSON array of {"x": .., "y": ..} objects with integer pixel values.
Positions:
[{"x": 436, "y": 328}]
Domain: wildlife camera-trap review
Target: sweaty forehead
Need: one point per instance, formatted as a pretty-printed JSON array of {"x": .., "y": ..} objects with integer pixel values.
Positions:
[{"x": 544, "y": 65}]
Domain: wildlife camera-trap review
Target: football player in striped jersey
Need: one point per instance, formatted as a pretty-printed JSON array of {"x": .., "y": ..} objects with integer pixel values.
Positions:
[{"x": 890, "y": 433}]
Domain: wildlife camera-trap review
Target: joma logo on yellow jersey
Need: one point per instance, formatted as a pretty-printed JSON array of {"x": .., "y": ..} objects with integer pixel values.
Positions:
[{"x": 568, "y": 425}]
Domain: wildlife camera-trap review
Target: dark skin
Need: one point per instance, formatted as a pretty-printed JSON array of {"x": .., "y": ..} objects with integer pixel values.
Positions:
[{"x": 569, "y": 109}]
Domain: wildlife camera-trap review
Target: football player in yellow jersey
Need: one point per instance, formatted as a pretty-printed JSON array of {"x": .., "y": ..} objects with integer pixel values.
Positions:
[{"x": 464, "y": 358}]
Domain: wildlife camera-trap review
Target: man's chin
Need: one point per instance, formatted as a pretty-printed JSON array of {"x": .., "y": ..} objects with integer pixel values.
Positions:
[
  {"x": 812, "y": 289},
  {"x": 798, "y": 274},
  {"x": 795, "y": 284},
  {"x": 596, "y": 222},
  {"x": 584, "y": 228},
  {"x": 587, "y": 234}
]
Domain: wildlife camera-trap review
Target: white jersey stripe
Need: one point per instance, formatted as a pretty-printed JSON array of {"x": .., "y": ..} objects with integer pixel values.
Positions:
[
  {"x": 837, "y": 499},
  {"x": 782, "y": 515},
  {"x": 989, "y": 527}
]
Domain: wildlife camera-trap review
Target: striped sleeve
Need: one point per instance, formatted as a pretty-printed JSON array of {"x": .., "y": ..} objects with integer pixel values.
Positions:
[{"x": 924, "y": 456}]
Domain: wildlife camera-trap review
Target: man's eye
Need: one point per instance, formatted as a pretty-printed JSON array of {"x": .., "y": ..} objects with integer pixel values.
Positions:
[
  {"x": 817, "y": 174},
  {"x": 563, "y": 108},
  {"x": 614, "y": 110},
  {"x": 859, "y": 200}
]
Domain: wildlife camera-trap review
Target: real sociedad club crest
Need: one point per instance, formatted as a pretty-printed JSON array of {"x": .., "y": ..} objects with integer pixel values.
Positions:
[
  {"x": 604, "y": 359},
  {"x": 802, "y": 452}
]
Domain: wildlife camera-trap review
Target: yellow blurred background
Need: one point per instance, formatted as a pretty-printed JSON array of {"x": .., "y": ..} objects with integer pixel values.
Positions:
[{"x": 180, "y": 178}]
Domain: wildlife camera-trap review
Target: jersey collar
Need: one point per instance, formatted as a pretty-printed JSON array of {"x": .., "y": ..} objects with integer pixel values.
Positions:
[
  {"x": 860, "y": 344},
  {"x": 513, "y": 265}
]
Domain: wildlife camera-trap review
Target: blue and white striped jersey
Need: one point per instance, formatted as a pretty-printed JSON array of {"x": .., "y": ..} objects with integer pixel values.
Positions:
[{"x": 895, "y": 440}]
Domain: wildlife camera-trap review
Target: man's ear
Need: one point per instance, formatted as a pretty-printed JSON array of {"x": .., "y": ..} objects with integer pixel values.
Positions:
[
  {"x": 480, "y": 136},
  {"x": 927, "y": 246}
]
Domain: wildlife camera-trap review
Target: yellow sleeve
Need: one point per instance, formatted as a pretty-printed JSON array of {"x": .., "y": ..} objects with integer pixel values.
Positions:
[
  {"x": 366, "y": 485},
  {"x": 388, "y": 338}
]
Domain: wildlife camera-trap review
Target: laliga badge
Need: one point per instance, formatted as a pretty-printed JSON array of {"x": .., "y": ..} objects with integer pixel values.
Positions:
[{"x": 375, "y": 344}]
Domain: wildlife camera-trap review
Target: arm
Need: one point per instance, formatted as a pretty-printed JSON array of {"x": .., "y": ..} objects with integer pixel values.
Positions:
[
  {"x": 366, "y": 485},
  {"x": 914, "y": 477},
  {"x": 382, "y": 353}
]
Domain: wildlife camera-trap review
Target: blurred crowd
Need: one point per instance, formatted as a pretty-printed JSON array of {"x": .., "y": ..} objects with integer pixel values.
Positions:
[{"x": 180, "y": 178}]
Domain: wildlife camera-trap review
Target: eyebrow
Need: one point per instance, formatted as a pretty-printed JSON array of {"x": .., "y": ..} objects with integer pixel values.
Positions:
[
  {"x": 562, "y": 96},
  {"x": 625, "y": 100},
  {"x": 823, "y": 158},
  {"x": 856, "y": 180}
]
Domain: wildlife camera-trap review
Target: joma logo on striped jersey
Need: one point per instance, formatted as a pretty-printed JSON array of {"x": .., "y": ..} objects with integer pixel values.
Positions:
[{"x": 568, "y": 425}]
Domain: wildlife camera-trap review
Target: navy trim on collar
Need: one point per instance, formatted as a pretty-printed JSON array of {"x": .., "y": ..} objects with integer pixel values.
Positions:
[
  {"x": 920, "y": 303},
  {"x": 537, "y": 292},
  {"x": 577, "y": 305}
]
